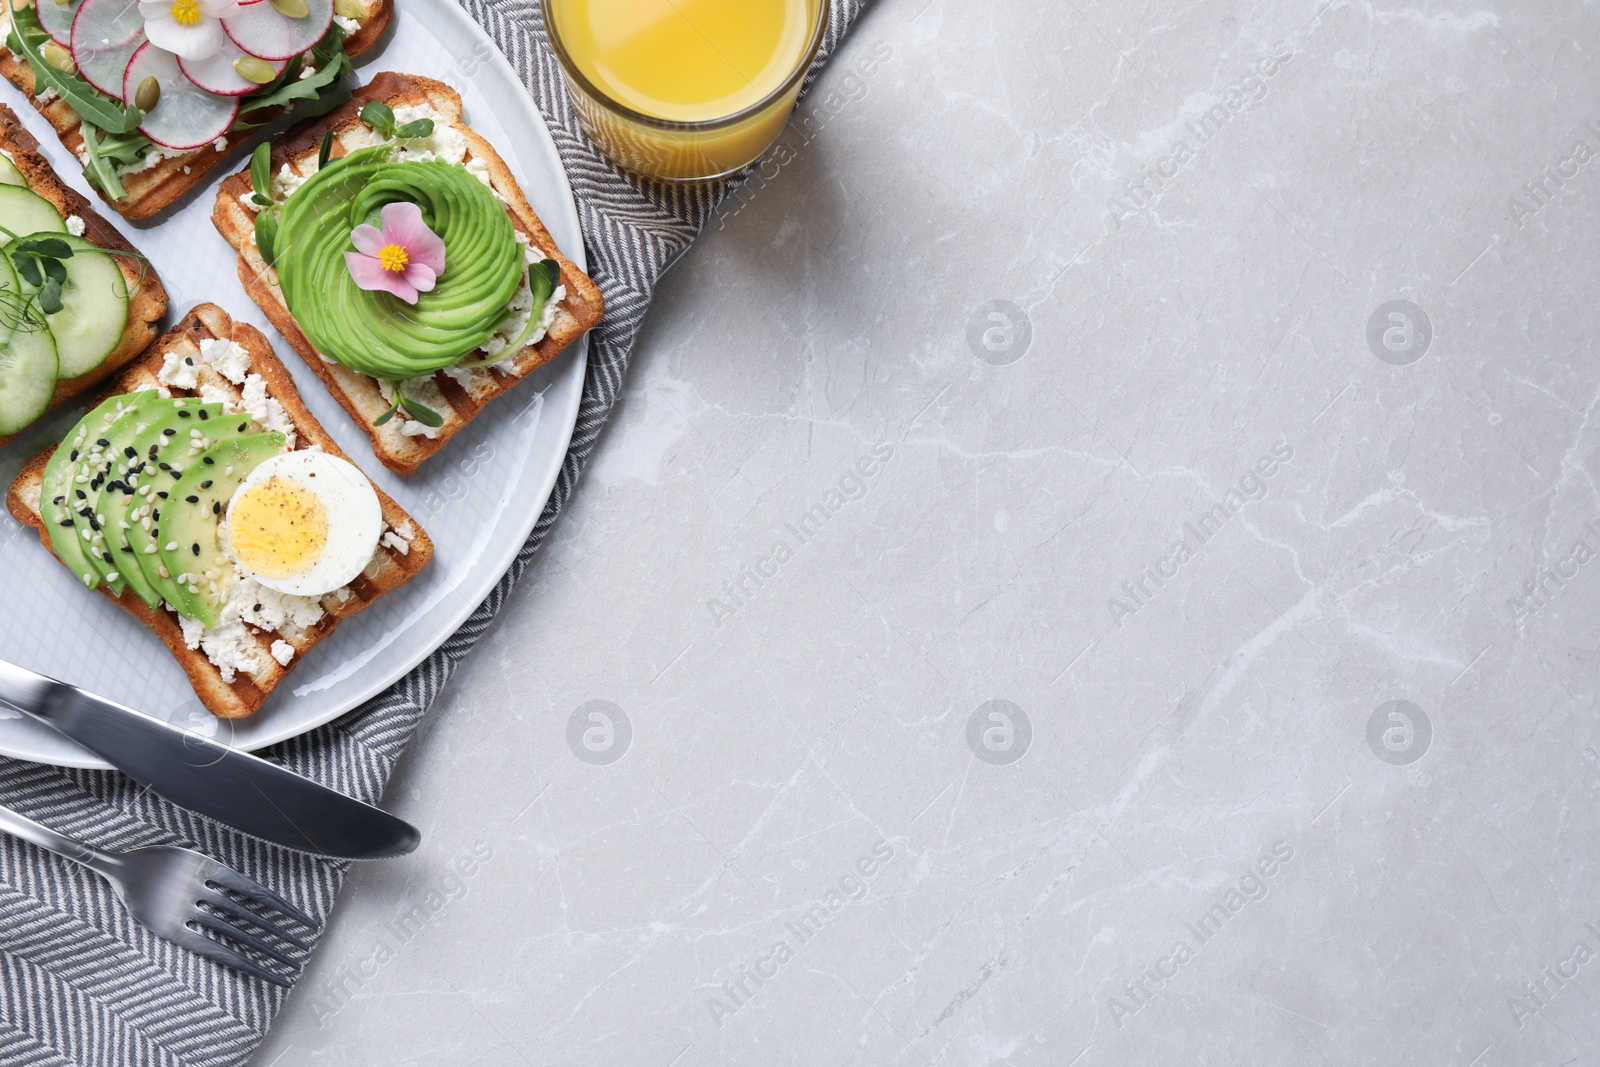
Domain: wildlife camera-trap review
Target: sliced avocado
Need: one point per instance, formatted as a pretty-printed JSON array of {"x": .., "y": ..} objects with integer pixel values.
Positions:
[
  {"x": 107, "y": 484},
  {"x": 191, "y": 521},
  {"x": 67, "y": 504},
  {"x": 132, "y": 517}
]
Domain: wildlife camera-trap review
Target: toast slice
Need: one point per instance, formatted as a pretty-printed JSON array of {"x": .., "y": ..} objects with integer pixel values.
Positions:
[
  {"x": 404, "y": 550},
  {"x": 456, "y": 394},
  {"x": 155, "y": 188},
  {"x": 147, "y": 297}
]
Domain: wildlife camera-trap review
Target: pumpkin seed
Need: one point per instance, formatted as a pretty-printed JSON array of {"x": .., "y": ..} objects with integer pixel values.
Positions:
[
  {"x": 350, "y": 9},
  {"x": 255, "y": 70},
  {"x": 59, "y": 58},
  {"x": 295, "y": 9},
  {"x": 148, "y": 95}
]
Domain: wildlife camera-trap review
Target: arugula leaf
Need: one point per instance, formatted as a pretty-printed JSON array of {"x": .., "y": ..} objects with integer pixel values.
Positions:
[
  {"x": 290, "y": 87},
  {"x": 261, "y": 172},
  {"x": 26, "y": 38},
  {"x": 379, "y": 116},
  {"x": 108, "y": 151},
  {"x": 326, "y": 151}
]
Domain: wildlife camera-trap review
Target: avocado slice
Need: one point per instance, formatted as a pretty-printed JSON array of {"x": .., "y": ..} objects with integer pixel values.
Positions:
[
  {"x": 191, "y": 520},
  {"x": 69, "y": 505},
  {"x": 134, "y": 517}
]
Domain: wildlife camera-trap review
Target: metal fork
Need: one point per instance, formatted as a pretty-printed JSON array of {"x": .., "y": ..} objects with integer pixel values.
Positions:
[{"x": 164, "y": 888}]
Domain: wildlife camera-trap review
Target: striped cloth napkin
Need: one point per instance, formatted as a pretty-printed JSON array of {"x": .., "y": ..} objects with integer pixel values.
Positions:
[{"x": 80, "y": 982}]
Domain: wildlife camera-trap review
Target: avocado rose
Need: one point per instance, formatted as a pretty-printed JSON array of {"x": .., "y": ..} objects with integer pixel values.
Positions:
[{"x": 374, "y": 331}]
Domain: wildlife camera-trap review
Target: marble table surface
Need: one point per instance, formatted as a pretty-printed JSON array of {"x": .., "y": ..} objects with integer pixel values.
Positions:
[{"x": 1096, "y": 564}]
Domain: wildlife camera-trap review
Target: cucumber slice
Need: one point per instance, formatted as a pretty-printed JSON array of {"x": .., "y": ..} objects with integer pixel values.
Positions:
[
  {"x": 28, "y": 367},
  {"x": 94, "y": 309},
  {"x": 9, "y": 174},
  {"x": 23, "y": 212}
]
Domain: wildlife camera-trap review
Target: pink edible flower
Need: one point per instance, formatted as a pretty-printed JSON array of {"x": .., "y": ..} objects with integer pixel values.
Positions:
[{"x": 403, "y": 258}]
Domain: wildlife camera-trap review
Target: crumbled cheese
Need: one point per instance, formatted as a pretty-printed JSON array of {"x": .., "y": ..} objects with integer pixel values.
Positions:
[
  {"x": 349, "y": 26},
  {"x": 186, "y": 170},
  {"x": 178, "y": 371},
  {"x": 75, "y": 225},
  {"x": 286, "y": 181},
  {"x": 249, "y": 202},
  {"x": 265, "y": 410},
  {"x": 216, "y": 394},
  {"x": 479, "y": 169},
  {"x": 220, "y": 144},
  {"x": 283, "y": 652},
  {"x": 307, "y": 71},
  {"x": 230, "y": 359},
  {"x": 465, "y": 377},
  {"x": 396, "y": 542},
  {"x": 47, "y": 94}
]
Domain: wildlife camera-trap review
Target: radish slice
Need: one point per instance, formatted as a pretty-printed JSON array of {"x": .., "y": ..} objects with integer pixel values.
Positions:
[
  {"x": 56, "y": 19},
  {"x": 186, "y": 116},
  {"x": 216, "y": 74},
  {"x": 101, "y": 24},
  {"x": 103, "y": 67},
  {"x": 264, "y": 32}
]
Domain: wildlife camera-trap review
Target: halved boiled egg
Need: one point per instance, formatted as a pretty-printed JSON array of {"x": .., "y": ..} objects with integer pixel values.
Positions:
[{"x": 304, "y": 523}]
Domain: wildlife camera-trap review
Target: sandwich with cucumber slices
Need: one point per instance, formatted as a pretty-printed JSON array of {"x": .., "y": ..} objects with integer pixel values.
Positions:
[
  {"x": 150, "y": 95},
  {"x": 77, "y": 301}
]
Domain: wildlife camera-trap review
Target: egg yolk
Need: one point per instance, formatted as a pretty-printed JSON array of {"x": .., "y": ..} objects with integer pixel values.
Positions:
[{"x": 278, "y": 528}]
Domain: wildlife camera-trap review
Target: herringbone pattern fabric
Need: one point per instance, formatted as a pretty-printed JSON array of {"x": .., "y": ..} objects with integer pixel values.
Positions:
[{"x": 80, "y": 983}]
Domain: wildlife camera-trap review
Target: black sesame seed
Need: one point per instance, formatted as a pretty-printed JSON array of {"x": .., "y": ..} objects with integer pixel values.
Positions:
[
  {"x": 204, "y": 414},
  {"x": 191, "y": 498},
  {"x": 195, "y": 548},
  {"x": 74, "y": 456},
  {"x": 258, "y": 607},
  {"x": 183, "y": 414},
  {"x": 106, "y": 556},
  {"x": 103, "y": 443},
  {"x": 216, "y": 507},
  {"x": 58, "y": 501},
  {"x": 243, "y": 426},
  {"x": 206, "y": 484},
  {"x": 81, "y": 496},
  {"x": 175, "y": 475},
  {"x": 163, "y": 496},
  {"x": 129, "y": 452},
  {"x": 208, "y": 460},
  {"x": 164, "y": 466},
  {"x": 126, "y": 549},
  {"x": 65, "y": 522},
  {"x": 169, "y": 432}
]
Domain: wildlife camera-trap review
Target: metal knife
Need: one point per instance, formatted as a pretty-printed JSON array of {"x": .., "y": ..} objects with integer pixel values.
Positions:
[{"x": 233, "y": 787}]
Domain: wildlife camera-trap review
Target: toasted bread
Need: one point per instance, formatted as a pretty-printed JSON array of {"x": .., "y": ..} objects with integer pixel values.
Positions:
[
  {"x": 147, "y": 298},
  {"x": 391, "y": 566},
  {"x": 458, "y": 402},
  {"x": 148, "y": 191}
]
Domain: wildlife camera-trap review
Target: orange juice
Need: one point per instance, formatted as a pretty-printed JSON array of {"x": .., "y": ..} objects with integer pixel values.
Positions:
[
  {"x": 699, "y": 73},
  {"x": 685, "y": 60}
]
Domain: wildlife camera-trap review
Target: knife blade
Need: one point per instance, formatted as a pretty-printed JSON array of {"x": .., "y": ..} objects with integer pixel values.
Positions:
[{"x": 233, "y": 787}]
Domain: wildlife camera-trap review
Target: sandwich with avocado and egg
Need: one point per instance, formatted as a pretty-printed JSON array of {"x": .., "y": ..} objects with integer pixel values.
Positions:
[
  {"x": 202, "y": 496},
  {"x": 151, "y": 95},
  {"x": 77, "y": 302},
  {"x": 393, "y": 248}
]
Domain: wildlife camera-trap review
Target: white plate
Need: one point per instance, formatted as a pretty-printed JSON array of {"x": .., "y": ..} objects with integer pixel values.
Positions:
[{"x": 478, "y": 498}]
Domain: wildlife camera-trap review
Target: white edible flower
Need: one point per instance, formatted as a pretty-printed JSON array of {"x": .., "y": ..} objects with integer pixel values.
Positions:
[{"x": 188, "y": 28}]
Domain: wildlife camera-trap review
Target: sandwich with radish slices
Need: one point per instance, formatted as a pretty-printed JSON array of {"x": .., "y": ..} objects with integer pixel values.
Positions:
[{"x": 151, "y": 95}]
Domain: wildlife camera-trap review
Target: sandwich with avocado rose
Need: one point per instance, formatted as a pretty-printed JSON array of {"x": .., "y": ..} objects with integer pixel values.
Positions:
[{"x": 402, "y": 261}]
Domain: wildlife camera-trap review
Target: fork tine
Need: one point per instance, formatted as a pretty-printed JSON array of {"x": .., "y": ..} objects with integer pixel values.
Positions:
[
  {"x": 202, "y": 945},
  {"x": 229, "y": 878},
  {"x": 238, "y": 911},
  {"x": 216, "y": 925}
]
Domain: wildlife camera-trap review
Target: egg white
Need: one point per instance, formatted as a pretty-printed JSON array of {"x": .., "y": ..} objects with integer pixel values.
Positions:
[{"x": 355, "y": 519}]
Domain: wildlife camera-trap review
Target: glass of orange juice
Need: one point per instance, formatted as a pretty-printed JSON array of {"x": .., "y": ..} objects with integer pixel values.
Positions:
[{"x": 685, "y": 90}]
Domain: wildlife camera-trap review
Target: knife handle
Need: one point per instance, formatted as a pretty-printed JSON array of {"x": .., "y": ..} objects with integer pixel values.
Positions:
[{"x": 39, "y": 834}]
